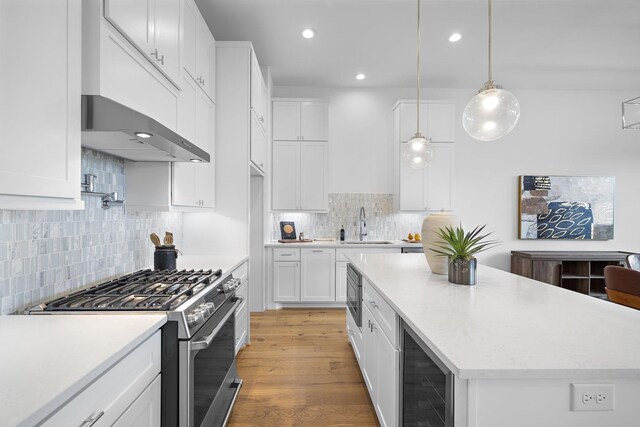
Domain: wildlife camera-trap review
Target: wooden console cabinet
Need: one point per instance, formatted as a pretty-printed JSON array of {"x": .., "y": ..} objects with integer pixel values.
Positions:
[{"x": 580, "y": 271}]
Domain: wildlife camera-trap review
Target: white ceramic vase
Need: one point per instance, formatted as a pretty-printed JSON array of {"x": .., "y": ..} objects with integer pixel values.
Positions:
[{"x": 435, "y": 221}]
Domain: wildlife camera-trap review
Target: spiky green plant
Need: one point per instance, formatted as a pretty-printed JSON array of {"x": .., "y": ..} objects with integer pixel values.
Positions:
[{"x": 457, "y": 244}]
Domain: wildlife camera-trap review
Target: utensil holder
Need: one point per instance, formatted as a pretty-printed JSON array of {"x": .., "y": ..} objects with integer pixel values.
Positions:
[{"x": 164, "y": 258}]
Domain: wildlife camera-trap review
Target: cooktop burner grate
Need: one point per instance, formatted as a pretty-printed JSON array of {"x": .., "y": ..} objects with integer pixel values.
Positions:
[{"x": 144, "y": 290}]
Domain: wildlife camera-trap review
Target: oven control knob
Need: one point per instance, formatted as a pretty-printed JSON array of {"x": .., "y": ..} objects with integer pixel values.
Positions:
[
  {"x": 195, "y": 318},
  {"x": 210, "y": 307}
]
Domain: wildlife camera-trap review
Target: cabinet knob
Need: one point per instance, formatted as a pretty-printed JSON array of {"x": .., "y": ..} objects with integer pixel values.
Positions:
[
  {"x": 373, "y": 304},
  {"x": 261, "y": 119}
]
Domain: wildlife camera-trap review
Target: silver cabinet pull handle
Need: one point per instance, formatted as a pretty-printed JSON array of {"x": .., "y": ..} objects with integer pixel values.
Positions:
[
  {"x": 155, "y": 53},
  {"x": 92, "y": 420},
  {"x": 373, "y": 304},
  {"x": 317, "y": 250},
  {"x": 161, "y": 59},
  {"x": 286, "y": 254},
  {"x": 261, "y": 119}
]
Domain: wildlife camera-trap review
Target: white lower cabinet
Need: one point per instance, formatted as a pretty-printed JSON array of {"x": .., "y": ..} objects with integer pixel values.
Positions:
[
  {"x": 318, "y": 280},
  {"x": 145, "y": 411},
  {"x": 129, "y": 390},
  {"x": 310, "y": 276},
  {"x": 341, "y": 281},
  {"x": 354, "y": 333},
  {"x": 286, "y": 281},
  {"x": 381, "y": 369}
]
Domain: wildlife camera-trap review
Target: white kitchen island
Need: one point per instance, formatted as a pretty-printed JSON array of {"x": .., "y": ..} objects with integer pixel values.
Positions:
[{"x": 515, "y": 346}]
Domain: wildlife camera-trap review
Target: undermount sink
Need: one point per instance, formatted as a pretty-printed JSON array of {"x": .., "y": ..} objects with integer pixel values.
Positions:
[{"x": 366, "y": 242}]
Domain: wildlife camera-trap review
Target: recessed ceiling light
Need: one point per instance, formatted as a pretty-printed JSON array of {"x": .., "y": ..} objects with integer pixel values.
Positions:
[
  {"x": 196, "y": 160},
  {"x": 143, "y": 135},
  {"x": 360, "y": 76},
  {"x": 455, "y": 37},
  {"x": 308, "y": 33}
]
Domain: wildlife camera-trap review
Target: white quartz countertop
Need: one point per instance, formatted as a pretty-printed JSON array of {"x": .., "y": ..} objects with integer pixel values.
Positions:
[
  {"x": 338, "y": 244},
  {"x": 507, "y": 326},
  {"x": 45, "y": 360}
]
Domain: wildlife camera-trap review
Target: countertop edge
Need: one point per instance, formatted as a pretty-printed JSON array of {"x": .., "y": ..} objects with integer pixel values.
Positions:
[
  {"x": 40, "y": 414},
  {"x": 336, "y": 244}
]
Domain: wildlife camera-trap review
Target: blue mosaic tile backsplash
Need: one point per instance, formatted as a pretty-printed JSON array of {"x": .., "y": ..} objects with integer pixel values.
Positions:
[{"x": 44, "y": 254}]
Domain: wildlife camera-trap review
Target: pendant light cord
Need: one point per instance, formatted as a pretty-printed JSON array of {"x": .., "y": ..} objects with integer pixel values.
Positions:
[
  {"x": 418, "y": 76},
  {"x": 490, "y": 76}
]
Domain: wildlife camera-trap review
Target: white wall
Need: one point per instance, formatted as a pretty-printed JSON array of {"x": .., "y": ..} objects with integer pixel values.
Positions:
[{"x": 559, "y": 133}]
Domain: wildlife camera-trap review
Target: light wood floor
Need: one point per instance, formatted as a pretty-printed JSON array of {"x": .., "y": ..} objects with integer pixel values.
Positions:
[{"x": 300, "y": 371}]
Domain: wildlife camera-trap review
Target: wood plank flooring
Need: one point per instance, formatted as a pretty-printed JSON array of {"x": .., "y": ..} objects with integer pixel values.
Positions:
[{"x": 300, "y": 371}]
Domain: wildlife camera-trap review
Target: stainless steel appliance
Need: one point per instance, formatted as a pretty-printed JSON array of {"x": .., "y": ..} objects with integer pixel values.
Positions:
[
  {"x": 354, "y": 294},
  {"x": 412, "y": 250},
  {"x": 426, "y": 397},
  {"x": 199, "y": 378}
]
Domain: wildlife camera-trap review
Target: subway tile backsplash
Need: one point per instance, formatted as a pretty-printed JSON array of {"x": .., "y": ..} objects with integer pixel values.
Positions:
[
  {"x": 44, "y": 254},
  {"x": 344, "y": 209}
]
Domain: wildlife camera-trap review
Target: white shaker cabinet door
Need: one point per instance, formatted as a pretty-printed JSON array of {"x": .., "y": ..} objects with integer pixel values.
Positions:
[
  {"x": 318, "y": 275},
  {"x": 314, "y": 159},
  {"x": 205, "y": 172},
  {"x": 314, "y": 121},
  {"x": 441, "y": 122},
  {"x": 258, "y": 143},
  {"x": 412, "y": 189},
  {"x": 369, "y": 356},
  {"x": 439, "y": 177},
  {"x": 40, "y": 99},
  {"x": 135, "y": 20},
  {"x": 387, "y": 380},
  {"x": 286, "y": 121},
  {"x": 286, "y": 181},
  {"x": 286, "y": 281},
  {"x": 341, "y": 282},
  {"x": 145, "y": 411},
  {"x": 167, "y": 41}
]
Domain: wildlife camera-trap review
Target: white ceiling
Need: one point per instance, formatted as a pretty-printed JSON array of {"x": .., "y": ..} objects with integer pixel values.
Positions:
[{"x": 541, "y": 44}]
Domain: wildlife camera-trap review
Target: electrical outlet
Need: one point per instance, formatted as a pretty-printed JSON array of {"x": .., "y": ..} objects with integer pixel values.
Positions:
[{"x": 592, "y": 397}]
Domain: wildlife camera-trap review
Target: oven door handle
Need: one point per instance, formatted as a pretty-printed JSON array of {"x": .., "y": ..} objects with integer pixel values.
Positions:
[{"x": 202, "y": 344}]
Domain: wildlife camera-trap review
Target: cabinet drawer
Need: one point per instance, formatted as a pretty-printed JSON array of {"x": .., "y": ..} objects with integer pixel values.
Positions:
[
  {"x": 241, "y": 326},
  {"x": 341, "y": 252},
  {"x": 286, "y": 254},
  {"x": 115, "y": 391},
  {"x": 241, "y": 272},
  {"x": 355, "y": 336},
  {"x": 381, "y": 311}
]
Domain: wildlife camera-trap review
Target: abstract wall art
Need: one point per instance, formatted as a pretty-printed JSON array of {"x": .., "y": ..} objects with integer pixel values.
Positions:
[{"x": 566, "y": 207}]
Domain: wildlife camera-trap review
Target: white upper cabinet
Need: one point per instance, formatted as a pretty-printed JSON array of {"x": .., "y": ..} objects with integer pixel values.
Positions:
[
  {"x": 431, "y": 188},
  {"x": 300, "y": 120},
  {"x": 258, "y": 101},
  {"x": 198, "y": 48},
  {"x": 40, "y": 83},
  {"x": 258, "y": 143},
  {"x": 299, "y": 176},
  {"x": 193, "y": 183},
  {"x": 437, "y": 121},
  {"x": 259, "y": 114},
  {"x": 152, "y": 26}
]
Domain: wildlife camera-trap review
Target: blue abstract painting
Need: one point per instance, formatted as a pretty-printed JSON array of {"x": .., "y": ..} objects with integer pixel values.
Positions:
[{"x": 566, "y": 207}]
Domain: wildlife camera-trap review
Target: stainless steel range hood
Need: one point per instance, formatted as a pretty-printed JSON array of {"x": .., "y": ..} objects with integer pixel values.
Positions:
[{"x": 116, "y": 129}]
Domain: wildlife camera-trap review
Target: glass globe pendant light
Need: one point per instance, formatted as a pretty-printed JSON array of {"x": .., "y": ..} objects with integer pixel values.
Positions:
[
  {"x": 417, "y": 152},
  {"x": 493, "y": 112}
]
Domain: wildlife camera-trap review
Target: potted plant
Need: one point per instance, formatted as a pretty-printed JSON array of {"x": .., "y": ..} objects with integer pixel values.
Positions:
[{"x": 460, "y": 248}]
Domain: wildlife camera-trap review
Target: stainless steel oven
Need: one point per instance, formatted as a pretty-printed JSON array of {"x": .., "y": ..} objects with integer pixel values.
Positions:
[
  {"x": 199, "y": 378},
  {"x": 209, "y": 382},
  {"x": 354, "y": 294}
]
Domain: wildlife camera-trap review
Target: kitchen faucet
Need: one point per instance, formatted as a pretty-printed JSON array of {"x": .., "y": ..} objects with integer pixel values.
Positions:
[{"x": 363, "y": 223}]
